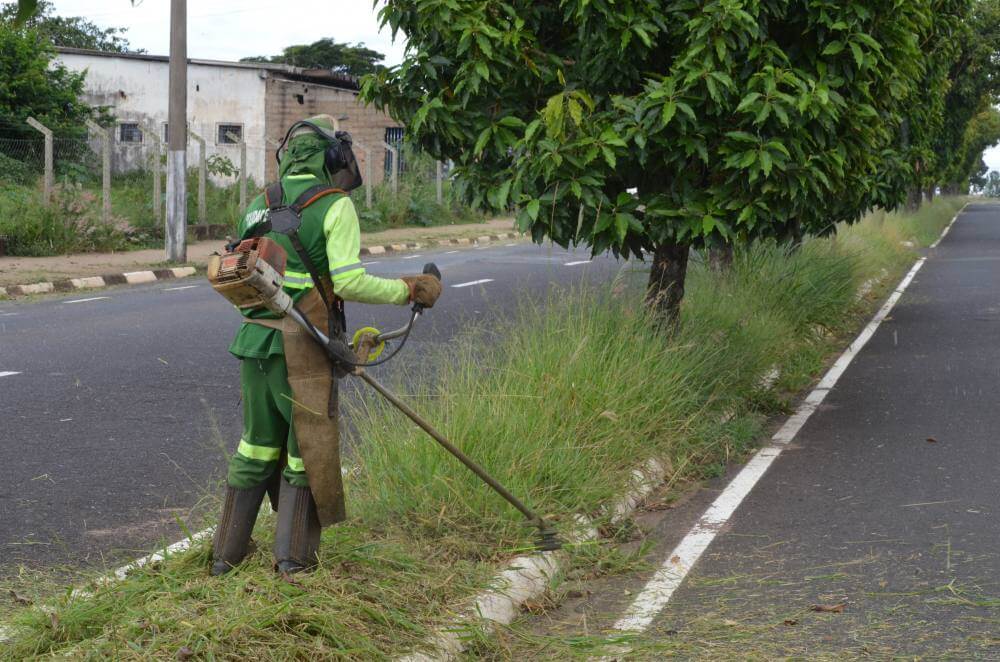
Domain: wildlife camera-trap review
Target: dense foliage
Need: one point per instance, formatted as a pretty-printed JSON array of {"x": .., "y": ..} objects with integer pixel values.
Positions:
[
  {"x": 352, "y": 60},
  {"x": 72, "y": 31},
  {"x": 32, "y": 85},
  {"x": 661, "y": 125}
]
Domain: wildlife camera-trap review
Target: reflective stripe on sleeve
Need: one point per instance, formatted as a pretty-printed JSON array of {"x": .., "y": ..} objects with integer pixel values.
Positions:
[
  {"x": 296, "y": 464},
  {"x": 346, "y": 270},
  {"x": 254, "y": 452}
]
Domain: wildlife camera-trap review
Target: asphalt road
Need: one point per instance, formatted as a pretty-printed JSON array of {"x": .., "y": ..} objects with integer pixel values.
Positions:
[
  {"x": 120, "y": 407},
  {"x": 876, "y": 533}
]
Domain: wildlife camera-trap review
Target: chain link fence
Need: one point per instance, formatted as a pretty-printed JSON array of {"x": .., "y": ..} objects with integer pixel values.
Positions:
[{"x": 106, "y": 189}]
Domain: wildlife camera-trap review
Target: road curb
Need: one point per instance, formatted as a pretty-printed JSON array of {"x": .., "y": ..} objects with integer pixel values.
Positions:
[
  {"x": 389, "y": 249},
  {"x": 95, "y": 282},
  {"x": 153, "y": 275}
]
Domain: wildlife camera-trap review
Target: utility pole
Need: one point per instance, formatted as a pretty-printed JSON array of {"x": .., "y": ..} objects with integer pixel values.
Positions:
[{"x": 177, "y": 138}]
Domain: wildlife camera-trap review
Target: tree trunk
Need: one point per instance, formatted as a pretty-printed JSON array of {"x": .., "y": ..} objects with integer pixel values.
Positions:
[
  {"x": 913, "y": 199},
  {"x": 795, "y": 234},
  {"x": 930, "y": 192},
  {"x": 720, "y": 256},
  {"x": 666, "y": 281}
]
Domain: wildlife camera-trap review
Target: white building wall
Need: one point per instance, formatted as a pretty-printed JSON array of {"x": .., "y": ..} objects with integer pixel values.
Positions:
[{"x": 136, "y": 90}]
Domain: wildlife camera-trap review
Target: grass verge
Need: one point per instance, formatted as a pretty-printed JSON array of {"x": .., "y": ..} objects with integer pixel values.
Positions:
[{"x": 560, "y": 404}]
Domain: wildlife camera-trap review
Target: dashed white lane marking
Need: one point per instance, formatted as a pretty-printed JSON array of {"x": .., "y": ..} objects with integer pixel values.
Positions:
[
  {"x": 8, "y": 374},
  {"x": 178, "y": 289},
  {"x": 412, "y": 257},
  {"x": 669, "y": 576},
  {"x": 368, "y": 264},
  {"x": 86, "y": 300},
  {"x": 9, "y": 314},
  {"x": 509, "y": 245},
  {"x": 573, "y": 264},
  {"x": 450, "y": 252},
  {"x": 474, "y": 282}
]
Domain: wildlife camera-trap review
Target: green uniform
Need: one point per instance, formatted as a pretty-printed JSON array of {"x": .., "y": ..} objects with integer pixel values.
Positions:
[{"x": 331, "y": 235}]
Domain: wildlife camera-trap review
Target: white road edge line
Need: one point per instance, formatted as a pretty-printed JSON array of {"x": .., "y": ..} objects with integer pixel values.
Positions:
[
  {"x": 474, "y": 282},
  {"x": 412, "y": 257},
  {"x": 679, "y": 562},
  {"x": 86, "y": 300},
  {"x": 178, "y": 289},
  {"x": 449, "y": 252},
  {"x": 573, "y": 264},
  {"x": 8, "y": 374},
  {"x": 368, "y": 264}
]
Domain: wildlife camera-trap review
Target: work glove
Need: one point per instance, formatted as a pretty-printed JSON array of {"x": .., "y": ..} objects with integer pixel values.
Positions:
[{"x": 424, "y": 289}]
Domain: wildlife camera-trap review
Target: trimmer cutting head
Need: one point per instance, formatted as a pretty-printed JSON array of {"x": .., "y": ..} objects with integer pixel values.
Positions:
[{"x": 547, "y": 540}]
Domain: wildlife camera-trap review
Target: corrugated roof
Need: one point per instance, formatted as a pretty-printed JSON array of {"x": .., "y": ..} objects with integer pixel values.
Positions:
[{"x": 324, "y": 76}]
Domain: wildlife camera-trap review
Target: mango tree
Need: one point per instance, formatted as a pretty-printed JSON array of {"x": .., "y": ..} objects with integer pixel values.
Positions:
[{"x": 657, "y": 126}]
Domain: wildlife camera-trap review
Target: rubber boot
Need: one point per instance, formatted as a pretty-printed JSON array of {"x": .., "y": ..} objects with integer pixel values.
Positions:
[
  {"x": 232, "y": 536},
  {"x": 296, "y": 542}
]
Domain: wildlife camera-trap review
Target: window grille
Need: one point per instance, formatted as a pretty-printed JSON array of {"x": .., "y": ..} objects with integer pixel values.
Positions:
[{"x": 128, "y": 132}]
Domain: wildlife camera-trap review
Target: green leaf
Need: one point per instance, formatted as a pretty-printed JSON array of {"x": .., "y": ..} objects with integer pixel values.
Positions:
[
  {"x": 766, "y": 163},
  {"x": 553, "y": 115},
  {"x": 833, "y": 48},
  {"x": 575, "y": 111},
  {"x": 707, "y": 223},
  {"x": 747, "y": 100},
  {"x": 669, "y": 110},
  {"x": 503, "y": 193},
  {"x": 483, "y": 70},
  {"x": 859, "y": 56},
  {"x": 621, "y": 225},
  {"x": 484, "y": 137},
  {"x": 532, "y": 208},
  {"x": 609, "y": 155}
]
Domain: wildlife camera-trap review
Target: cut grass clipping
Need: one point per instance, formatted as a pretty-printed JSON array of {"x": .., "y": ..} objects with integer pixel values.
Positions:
[{"x": 560, "y": 404}]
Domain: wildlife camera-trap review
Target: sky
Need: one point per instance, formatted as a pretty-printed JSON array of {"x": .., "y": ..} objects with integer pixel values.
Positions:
[{"x": 227, "y": 30}]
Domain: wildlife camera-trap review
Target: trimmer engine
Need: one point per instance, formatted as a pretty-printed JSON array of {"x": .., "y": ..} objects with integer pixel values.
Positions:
[{"x": 251, "y": 275}]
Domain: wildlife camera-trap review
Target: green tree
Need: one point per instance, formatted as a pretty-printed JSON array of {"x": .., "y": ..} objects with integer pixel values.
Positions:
[
  {"x": 348, "y": 59},
  {"x": 663, "y": 125},
  {"x": 974, "y": 83},
  {"x": 991, "y": 187},
  {"x": 33, "y": 85},
  {"x": 71, "y": 31}
]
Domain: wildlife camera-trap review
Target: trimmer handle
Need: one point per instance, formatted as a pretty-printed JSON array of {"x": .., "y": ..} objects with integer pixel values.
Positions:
[{"x": 431, "y": 269}]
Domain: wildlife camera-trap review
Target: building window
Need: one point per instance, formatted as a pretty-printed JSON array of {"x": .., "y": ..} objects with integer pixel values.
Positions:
[
  {"x": 394, "y": 136},
  {"x": 229, "y": 134},
  {"x": 128, "y": 132}
]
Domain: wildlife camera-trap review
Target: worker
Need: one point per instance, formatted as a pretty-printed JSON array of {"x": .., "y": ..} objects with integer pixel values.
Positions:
[{"x": 290, "y": 444}]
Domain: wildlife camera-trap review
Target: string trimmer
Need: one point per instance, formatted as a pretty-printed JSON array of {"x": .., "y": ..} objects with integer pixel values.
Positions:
[{"x": 252, "y": 276}]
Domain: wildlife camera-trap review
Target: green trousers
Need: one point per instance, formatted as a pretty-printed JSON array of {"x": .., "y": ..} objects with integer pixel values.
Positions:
[{"x": 267, "y": 426}]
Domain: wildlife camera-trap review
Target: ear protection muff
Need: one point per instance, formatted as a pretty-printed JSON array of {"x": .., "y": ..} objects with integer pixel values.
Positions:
[{"x": 333, "y": 157}]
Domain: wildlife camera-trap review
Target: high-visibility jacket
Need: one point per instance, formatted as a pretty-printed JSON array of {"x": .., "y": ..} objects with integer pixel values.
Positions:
[{"x": 331, "y": 236}]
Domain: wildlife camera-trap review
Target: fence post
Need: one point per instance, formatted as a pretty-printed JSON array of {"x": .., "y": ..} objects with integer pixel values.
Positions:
[
  {"x": 439, "y": 174},
  {"x": 105, "y": 137},
  {"x": 202, "y": 176},
  {"x": 243, "y": 168},
  {"x": 49, "y": 177},
  {"x": 150, "y": 132},
  {"x": 368, "y": 173},
  {"x": 395, "y": 166}
]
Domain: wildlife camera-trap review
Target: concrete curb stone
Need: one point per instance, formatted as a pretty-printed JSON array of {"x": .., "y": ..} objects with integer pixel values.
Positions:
[{"x": 153, "y": 275}]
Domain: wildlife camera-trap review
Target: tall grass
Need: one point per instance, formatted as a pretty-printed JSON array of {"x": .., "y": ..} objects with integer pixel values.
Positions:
[{"x": 560, "y": 403}]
